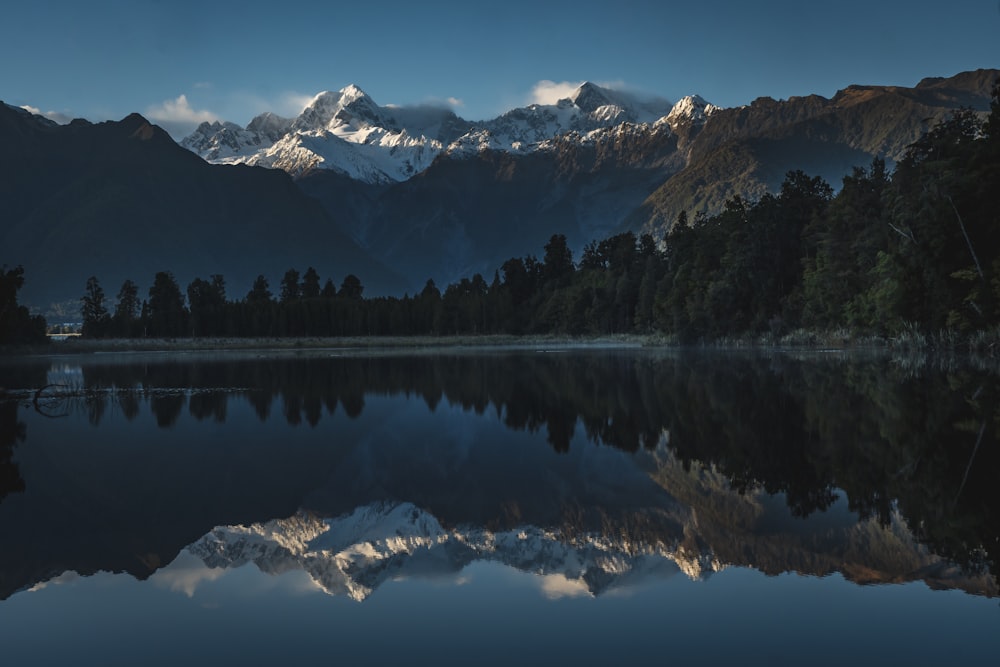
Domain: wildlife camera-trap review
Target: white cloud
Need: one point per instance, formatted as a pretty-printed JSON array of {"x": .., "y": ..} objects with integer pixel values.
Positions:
[
  {"x": 455, "y": 102},
  {"x": 291, "y": 104},
  {"x": 179, "y": 111},
  {"x": 67, "y": 577},
  {"x": 550, "y": 92},
  {"x": 55, "y": 116},
  {"x": 178, "y": 117},
  {"x": 555, "y": 586},
  {"x": 185, "y": 574}
]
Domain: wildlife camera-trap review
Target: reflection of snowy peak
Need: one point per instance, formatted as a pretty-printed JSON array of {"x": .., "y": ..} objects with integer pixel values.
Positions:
[
  {"x": 347, "y": 132},
  {"x": 353, "y": 554}
]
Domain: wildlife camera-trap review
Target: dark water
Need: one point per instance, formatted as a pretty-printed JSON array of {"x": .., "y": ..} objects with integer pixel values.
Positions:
[{"x": 517, "y": 507}]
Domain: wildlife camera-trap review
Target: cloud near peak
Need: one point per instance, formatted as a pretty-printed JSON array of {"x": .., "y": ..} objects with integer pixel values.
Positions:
[
  {"x": 179, "y": 111},
  {"x": 550, "y": 92},
  {"x": 55, "y": 116}
]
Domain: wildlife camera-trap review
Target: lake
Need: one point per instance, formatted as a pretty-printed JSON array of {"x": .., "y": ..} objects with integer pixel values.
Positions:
[{"x": 496, "y": 507}]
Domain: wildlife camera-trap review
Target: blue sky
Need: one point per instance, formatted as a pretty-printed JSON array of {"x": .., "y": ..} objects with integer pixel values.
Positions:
[{"x": 179, "y": 62}]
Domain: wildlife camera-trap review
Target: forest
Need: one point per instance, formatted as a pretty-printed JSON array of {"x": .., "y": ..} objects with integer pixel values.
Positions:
[{"x": 913, "y": 249}]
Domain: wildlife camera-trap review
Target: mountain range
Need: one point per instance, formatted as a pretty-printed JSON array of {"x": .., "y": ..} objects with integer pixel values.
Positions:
[
  {"x": 348, "y": 133},
  {"x": 433, "y": 195},
  {"x": 398, "y": 195}
]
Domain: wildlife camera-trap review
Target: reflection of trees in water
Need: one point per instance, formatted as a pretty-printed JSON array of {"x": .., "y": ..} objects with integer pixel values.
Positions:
[
  {"x": 12, "y": 432},
  {"x": 208, "y": 405},
  {"x": 923, "y": 442},
  {"x": 167, "y": 408},
  {"x": 890, "y": 438}
]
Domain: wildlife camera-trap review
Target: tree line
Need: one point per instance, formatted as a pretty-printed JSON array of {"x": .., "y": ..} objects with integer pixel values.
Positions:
[{"x": 301, "y": 308}]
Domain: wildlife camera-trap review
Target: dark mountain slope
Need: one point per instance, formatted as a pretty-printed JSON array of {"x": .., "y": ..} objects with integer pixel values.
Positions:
[
  {"x": 746, "y": 151},
  {"x": 467, "y": 215},
  {"x": 121, "y": 200}
]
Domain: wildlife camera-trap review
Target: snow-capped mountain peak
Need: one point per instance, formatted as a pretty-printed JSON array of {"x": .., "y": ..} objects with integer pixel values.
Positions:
[
  {"x": 225, "y": 142},
  {"x": 347, "y": 132},
  {"x": 350, "y": 106},
  {"x": 589, "y": 97},
  {"x": 690, "y": 109}
]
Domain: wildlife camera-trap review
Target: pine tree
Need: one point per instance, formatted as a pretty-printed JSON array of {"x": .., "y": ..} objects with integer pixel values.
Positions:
[
  {"x": 310, "y": 284},
  {"x": 93, "y": 311}
]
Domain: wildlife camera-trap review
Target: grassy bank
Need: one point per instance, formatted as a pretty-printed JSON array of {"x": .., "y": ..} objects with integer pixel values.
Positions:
[
  {"x": 104, "y": 345},
  {"x": 981, "y": 343}
]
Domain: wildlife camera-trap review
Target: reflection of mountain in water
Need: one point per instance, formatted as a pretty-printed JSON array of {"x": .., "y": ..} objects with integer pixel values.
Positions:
[
  {"x": 12, "y": 431},
  {"x": 240, "y": 441},
  {"x": 354, "y": 554}
]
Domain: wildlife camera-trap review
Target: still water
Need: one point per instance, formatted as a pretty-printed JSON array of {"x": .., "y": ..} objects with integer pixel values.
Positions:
[{"x": 501, "y": 507}]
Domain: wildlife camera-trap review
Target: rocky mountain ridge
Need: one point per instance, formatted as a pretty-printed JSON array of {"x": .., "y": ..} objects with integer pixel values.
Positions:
[{"x": 348, "y": 133}]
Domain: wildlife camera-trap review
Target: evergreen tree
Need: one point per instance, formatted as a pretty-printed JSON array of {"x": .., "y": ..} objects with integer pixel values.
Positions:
[
  {"x": 351, "y": 288},
  {"x": 127, "y": 310},
  {"x": 558, "y": 262},
  {"x": 310, "y": 284},
  {"x": 17, "y": 325},
  {"x": 166, "y": 315},
  {"x": 260, "y": 293},
  {"x": 93, "y": 311},
  {"x": 428, "y": 309},
  {"x": 290, "y": 290},
  {"x": 207, "y": 301}
]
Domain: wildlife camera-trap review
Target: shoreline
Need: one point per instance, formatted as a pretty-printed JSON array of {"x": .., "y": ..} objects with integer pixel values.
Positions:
[
  {"x": 82, "y": 346},
  {"x": 985, "y": 347}
]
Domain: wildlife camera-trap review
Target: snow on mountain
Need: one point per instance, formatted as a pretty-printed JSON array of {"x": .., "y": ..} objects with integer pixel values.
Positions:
[
  {"x": 228, "y": 143},
  {"x": 591, "y": 108},
  {"x": 690, "y": 109},
  {"x": 353, "y": 554},
  {"x": 347, "y": 132}
]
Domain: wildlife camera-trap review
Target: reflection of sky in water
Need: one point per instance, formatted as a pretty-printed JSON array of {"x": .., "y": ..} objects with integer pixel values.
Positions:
[{"x": 490, "y": 614}]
